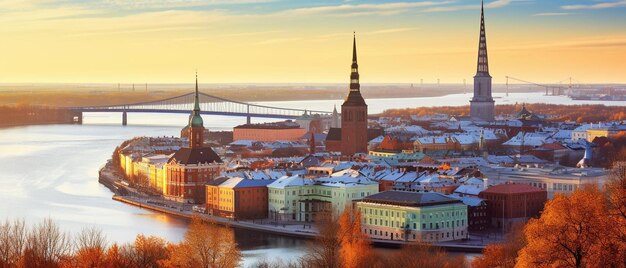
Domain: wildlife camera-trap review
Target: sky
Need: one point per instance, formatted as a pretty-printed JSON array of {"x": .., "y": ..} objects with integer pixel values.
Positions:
[{"x": 306, "y": 41}]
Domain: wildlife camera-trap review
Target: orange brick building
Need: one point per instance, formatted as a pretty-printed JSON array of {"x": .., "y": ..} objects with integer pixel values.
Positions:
[
  {"x": 281, "y": 131},
  {"x": 237, "y": 198},
  {"x": 395, "y": 143}
]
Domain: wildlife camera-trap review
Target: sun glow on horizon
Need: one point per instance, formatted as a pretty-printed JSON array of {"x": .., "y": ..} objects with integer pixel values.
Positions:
[{"x": 257, "y": 41}]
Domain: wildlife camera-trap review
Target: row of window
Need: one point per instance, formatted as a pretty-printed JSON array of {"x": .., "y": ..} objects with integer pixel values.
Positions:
[
  {"x": 376, "y": 212},
  {"x": 400, "y": 236},
  {"x": 425, "y": 226}
]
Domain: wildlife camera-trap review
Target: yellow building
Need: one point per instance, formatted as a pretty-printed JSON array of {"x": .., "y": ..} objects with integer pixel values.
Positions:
[{"x": 608, "y": 131}]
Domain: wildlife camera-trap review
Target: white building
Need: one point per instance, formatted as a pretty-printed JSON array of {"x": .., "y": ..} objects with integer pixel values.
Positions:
[{"x": 553, "y": 179}]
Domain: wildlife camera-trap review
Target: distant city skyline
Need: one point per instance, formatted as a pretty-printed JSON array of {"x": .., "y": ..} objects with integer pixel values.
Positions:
[{"x": 273, "y": 41}]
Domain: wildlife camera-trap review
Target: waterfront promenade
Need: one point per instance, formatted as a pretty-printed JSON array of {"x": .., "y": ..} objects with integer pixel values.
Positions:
[{"x": 302, "y": 230}]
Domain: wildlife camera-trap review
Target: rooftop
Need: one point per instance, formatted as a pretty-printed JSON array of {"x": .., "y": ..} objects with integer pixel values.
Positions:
[
  {"x": 410, "y": 199},
  {"x": 512, "y": 188},
  {"x": 273, "y": 125},
  {"x": 194, "y": 156}
]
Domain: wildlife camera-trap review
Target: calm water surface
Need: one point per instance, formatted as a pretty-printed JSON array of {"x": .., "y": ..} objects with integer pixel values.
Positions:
[{"x": 51, "y": 171}]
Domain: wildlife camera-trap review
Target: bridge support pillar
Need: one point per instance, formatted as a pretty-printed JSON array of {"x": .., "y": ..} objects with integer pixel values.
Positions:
[
  {"x": 77, "y": 118},
  {"x": 248, "y": 120},
  {"x": 124, "y": 119}
]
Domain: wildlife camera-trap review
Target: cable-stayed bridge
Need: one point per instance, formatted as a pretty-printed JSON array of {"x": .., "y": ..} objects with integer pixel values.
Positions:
[{"x": 209, "y": 104}]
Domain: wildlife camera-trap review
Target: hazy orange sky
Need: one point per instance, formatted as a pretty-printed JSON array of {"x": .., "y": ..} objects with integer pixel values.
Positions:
[{"x": 248, "y": 41}]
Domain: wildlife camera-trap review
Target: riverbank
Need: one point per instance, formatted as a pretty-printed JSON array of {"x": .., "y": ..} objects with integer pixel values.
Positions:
[{"x": 302, "y": 230}]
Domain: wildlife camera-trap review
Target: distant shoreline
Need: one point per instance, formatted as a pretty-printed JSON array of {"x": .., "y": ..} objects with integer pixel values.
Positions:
[{"x": 65, "y": 96}]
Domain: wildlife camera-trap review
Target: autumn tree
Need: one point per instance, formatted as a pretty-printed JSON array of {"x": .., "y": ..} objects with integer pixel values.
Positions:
[
  {"x": 355, "y": 249},
  {"x": 45, "y": 246},
  {"x": 146, "y": 251},
  {"x": 91, "y": 249},
  {"x": 420, "y": 255},
  {"x": 572, "y": 231},
  {"x": 502, "y": 255},
  {"x": 12, "y": 242},
  {"x": 115, "y": 259},
  {"x": 205, "y": 245},
  {"x": 323, "y": 251},
  {"x": 616, "y": 196}
]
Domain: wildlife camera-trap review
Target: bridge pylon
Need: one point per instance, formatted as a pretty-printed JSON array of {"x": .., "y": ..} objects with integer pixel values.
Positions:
[
  {"x": 248, "y": 118},
  {"x": 124, "y": 118}
]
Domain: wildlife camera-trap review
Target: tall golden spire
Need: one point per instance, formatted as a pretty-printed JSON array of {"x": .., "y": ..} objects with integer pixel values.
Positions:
[
  {"x": 483, "y": 62},
  {"x": 354, "y": 75}
]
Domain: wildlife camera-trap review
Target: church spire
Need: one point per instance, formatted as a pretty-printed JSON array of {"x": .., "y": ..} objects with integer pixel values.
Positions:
[
  {"x": 483, "y": 62},
  {"x": 195, "y": 120},
  {"x": 196, "y": 107},
  {"x": 354, "y": 75}
]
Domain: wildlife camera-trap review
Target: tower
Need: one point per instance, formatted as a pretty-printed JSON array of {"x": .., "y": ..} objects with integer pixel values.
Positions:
[
  {"x": 196, "y": 127},
  {"x": 482, "y": 105},
  {"x": 335, "y": 118},
  {"x": 354, "y": 114}
]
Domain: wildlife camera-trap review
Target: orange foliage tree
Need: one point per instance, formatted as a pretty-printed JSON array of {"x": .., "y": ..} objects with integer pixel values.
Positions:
[
  {"x": 572, "y": 231},
  {"x": 502, "y": 255},
  {"x": 147, "y": 251},
  {"x": 323, "y": 250},
  {"x": 420, "y": 255},
  {"x": 355, "y": 249},
  {"x": 205, "y": 245}
]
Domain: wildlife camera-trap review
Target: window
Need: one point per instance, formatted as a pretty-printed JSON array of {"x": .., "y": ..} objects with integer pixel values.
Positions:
[{"x": 423, "y": 226}]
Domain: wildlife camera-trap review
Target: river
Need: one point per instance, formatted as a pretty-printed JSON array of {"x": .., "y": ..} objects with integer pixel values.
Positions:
[{"x": 50, "y": 171}]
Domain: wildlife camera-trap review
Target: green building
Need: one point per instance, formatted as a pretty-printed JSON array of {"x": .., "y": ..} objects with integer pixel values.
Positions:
[
  {"x": 411, "y": 216},
  {"x": 300, "y": 199}
]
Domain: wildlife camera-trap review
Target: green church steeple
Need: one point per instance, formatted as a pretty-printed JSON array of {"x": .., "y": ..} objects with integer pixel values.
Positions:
[{"x": 196, "y": 120}]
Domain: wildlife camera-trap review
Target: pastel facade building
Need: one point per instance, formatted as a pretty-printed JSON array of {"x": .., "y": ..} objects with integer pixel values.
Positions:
[
  {"x": 413, "y": 216},
  {"x": 301, "y": 199},
  {"x": 554, "y": 180},
  {"x": 608, "y": 131}
]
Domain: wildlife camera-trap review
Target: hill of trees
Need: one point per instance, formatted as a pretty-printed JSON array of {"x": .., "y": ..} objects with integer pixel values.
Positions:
[{"x": 554, "y": 112}]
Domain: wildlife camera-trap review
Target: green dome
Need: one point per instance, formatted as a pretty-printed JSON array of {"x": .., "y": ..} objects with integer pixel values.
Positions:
[{"x": 196, "y": 121}]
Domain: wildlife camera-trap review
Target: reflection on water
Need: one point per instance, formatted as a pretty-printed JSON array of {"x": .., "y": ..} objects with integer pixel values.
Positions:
[{"x": 51, "y": 171}]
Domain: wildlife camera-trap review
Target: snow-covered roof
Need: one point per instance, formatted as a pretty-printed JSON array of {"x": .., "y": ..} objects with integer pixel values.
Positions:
[
  {"x": 468, "y": 200},
  {"x": 292, "y": 181},
  {"x": 469, "y": 189},
  {"x": 534, "y": 139},
  {"x": 238, "y": 182},
  {"x": 246, "y": 143},
  {"x": 433, "y": 139},
  {"x": 343, "y": 181},
  {"x": 378, "y": 139},
  {"x": 583, "y": 128}
]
